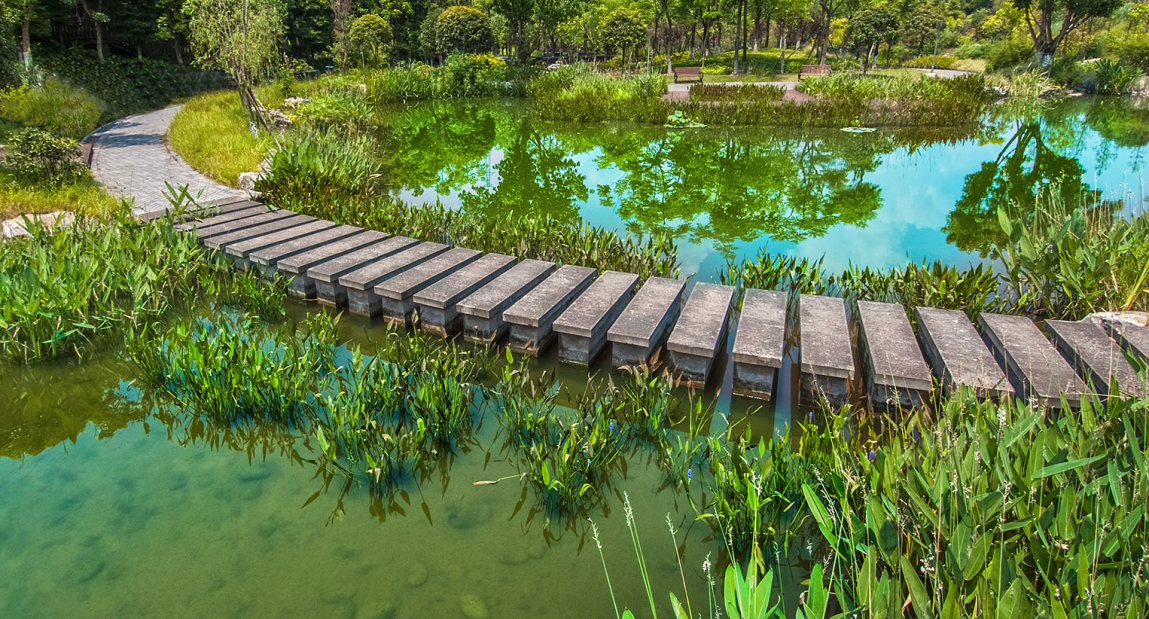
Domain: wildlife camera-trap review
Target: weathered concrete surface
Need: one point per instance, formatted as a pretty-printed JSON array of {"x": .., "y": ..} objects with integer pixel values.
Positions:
[
  {"x": 438, "y": 313},
  {"x": 760, "y": 342},
  {"x": 532, "y": 317},
  {"x": 212, "y": 215},
  {"x": 1132, "y": 338},
  {"x": 239, "y": 251},
  {"x": 827, "y": 357},
  {"x": 327, "y": 273},
  {"x": 1033, "y": 365},
  {"x": 641, "y": 326},
  {"x": 210, "y": 209},
  {"x": 396, "y": 294},
  {"x": 360, "y": 283},
  {"x": 699, "y": 332},
  {"x": 483, "y": 310},
  {"x": 267, "y": 257},
  {"x": 295, "y": 267},
  {"x": 896, "y": 373},
  {"x": 959, "y": 356},
  {"x": 582, "y": 327},
  {"x": 209, "y": 229},
  {"x": 1096, "y": 357},
  {"x": 223, "y": 240}
]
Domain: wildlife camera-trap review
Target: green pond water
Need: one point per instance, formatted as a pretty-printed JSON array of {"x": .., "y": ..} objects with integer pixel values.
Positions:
[
  {"x": 113, "y": 505},
  {"x": 873, "y": 199}
]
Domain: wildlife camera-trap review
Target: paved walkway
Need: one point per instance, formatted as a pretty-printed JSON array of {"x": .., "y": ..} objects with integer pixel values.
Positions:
[{"x": 132, "y": 160}]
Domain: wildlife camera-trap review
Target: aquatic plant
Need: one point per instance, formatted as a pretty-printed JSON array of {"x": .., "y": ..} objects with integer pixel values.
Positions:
[
  {"x": 321, "y": 166},
  {"x": 737, "y": 93},
  {"x": 991, "y": 509},
  {"x": 510, "y": 233}
]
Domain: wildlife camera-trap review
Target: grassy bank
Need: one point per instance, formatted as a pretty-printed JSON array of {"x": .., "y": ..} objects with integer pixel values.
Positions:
[
  {"x": 211, "y": 133},
  {"x": 580, "y": 94},
  {"x": 85, "y": 196}
]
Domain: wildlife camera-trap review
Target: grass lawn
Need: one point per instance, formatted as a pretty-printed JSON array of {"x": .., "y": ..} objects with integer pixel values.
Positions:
[
  {"x": 212, "y": 135},
  {"x": 86, "y": 196}
]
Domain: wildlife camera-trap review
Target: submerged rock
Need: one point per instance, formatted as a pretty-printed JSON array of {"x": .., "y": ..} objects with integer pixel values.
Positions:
[
  {"x": 417, "y": 576},
  {"x": 384, "y": 610},
  {"x": 473, "y": 607},
  {"x": 467, "y": 517},
  {"x": 514, "y": 556}
]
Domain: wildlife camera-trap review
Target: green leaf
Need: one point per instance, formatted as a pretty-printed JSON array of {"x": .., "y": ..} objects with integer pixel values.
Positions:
[
  {"x": 679, "y": 611},
  {"x": 1004, "y": 221},
  {"x": 821, "y": 514},
  {"x": 918, "y": 595},
  {"x": 626, "y": 614},
  {"x": 1066, "y": 466},
  {"x": 816, "y": 598}
]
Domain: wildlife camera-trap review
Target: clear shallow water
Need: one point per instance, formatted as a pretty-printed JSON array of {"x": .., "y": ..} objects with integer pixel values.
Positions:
[
  {"x": 865, "y": 199},
  {"x": 112, "y": 507}
]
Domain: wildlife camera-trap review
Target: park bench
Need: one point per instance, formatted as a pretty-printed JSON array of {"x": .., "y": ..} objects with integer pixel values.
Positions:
[
  {"x": 814, "y": 69},
  {"x": 687, "y": 72}
]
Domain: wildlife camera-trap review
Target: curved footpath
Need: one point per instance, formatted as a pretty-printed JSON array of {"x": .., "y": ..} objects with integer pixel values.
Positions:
[{"x": 131, "y": 159}]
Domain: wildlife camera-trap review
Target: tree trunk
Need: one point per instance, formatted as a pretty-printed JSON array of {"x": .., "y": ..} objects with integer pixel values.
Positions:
[
  {"x": 782, "y": 47},
  {"x": 99, "y": 40},
  {"x": 745, "y": 27},
  {"x": 693, "y": 30},
  {"x": 737, "y": 37},
  {"x": 176, "y": 48},
  {"x": 26, "y": 40},
  {"x": 757, "y": 25},
  {"x": 669, "y": 50}
]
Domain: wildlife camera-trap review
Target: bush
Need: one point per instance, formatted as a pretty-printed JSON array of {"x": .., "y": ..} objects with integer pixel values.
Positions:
[
  {"x": 925, "y": 62},
  {"x": 1132, "y": 49},
  {"x": 578, "y": 93},
  {"x": 128, "y": 85},
  {"x": 55, "y": 106},
  {"x": 45, "y": 158},
  {"x": 463, "y": 29},
  {"x": 1009, "y": 52},
  {"x": 716, "y": 70},
  {"x": 347, "y": 112}
]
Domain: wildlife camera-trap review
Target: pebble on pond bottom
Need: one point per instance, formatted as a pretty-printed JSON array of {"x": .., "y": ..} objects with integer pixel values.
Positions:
[{"x": 473, "y": 607}]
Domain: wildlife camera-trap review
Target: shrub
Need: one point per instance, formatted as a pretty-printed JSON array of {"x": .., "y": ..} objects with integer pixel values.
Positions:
[
  {"x": 925, "y": 62},
  {"x": 579, "y": 93},
  {"x": 716, "y": 69},
  {"x": 342, "y": 111},
  {"x": 463, "y": 29},
  {"x": 44, "y": 157},
  {"x": 1009, "y": 52},
  {"x": 128, "y": 85},
  {"x": 54, "y": 106},
  {"x": 411, "y": 82},
  {"x": 469, "y": 75},
  {"x": 1132, "y": 49}
]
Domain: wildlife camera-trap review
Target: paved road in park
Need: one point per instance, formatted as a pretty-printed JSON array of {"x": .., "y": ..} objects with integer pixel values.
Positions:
[{"x": 131, "y": 159}]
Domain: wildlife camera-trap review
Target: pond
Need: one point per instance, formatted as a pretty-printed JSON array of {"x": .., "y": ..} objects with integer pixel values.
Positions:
[
  {"x": 117, "y": 505},
  {"x": 868, "y": 199}
]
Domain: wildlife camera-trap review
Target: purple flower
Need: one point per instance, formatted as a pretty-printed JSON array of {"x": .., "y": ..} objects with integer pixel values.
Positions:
[
  {"x": 872, "y": 455},
  {"x": 689, "y": 473},
  {"x": 810, "y": 416},
  {"x": 612, "y": 426}
]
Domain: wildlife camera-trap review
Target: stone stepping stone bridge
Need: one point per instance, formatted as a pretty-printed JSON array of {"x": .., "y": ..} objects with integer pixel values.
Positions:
[{"x": 532, "y": 305}]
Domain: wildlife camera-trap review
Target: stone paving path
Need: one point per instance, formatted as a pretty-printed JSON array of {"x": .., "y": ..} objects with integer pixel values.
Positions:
[{"x": 131, "y": 159}]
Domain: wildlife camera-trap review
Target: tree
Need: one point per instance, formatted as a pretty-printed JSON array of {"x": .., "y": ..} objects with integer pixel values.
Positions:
[
  {"x": 463, "y": 29},
  {"x": 1041, "y": 15},
  {"x": 171, "y": 25},
  {"x": 340, "y": 26},
  {"x": 518, "y": 13},
  {"x": 22, "y": 12},
  {"x": 94, "y": 9},
  {"x": 240, "y": 37},
  {"x": 867, "y": 29},
  {"x": 624, "y": 30},
  {"x": 371, "y": 33}
]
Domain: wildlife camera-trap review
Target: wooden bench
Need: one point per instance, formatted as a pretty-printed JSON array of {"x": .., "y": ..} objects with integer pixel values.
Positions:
[
  {"x": 687, "y": 72},
  {"x": 814, "y": 69}
]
